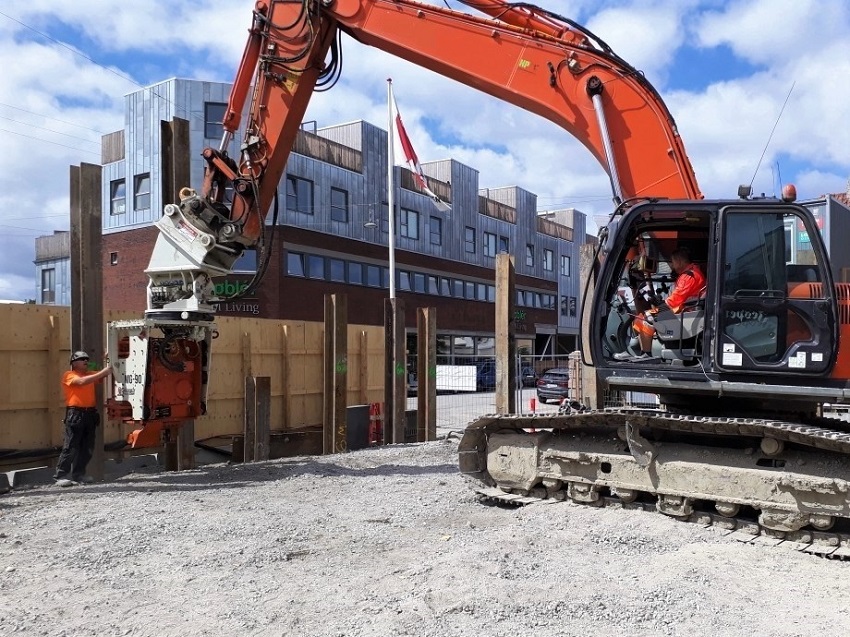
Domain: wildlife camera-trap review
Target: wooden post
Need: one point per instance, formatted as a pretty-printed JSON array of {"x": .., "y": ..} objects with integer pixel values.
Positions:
[
  {"x": 335, "y": 399},
  {"x": 328, "y": 378},
  {"x": 340, "y": 349},
  {"x": 395, "y": 372},
  {"x": 364, "y": 367},
  {"x": 426, "y": 374},
  {"x": 505, "y": 335},
  {"x": 170, "y": 455},
  {"x": 56, "y": 365},
  {"x": 286, "y": 406},
  {"x": 237, "y": 450},
  {"x": 250, "y": 398},
  {"x": 87, "y": 283},
  {"x": 186, "y": 446},
  {"x": 257, "y": 440},
  {"x": 250, "y": 420}
]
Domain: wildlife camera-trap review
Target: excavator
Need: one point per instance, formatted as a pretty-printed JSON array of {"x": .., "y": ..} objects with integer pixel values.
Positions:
[{"x": 742, "y": 369}]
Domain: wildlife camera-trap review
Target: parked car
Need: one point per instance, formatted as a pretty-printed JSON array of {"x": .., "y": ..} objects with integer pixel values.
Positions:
[
  {"x": 527, "y": 376},
  {"x": 486, "y": 376},
  {"x": 553, "y": 385}
]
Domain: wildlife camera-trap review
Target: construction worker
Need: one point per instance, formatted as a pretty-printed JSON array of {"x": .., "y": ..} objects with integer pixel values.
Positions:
[
  {"x": 81, "y": 420},
  {"x": 690, "y": 282}
]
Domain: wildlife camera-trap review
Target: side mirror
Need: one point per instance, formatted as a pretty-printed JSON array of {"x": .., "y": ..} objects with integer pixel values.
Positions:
[{"x": 608, "y": 235}]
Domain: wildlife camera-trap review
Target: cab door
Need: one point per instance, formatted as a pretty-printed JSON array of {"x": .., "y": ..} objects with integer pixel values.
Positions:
[{"x": 776, "y": 311}]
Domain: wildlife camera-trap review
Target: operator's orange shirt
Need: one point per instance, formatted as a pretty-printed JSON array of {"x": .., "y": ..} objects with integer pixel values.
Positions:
[
  {"x": 688, "y": 284},
  {"x": 78, "y": 395}
]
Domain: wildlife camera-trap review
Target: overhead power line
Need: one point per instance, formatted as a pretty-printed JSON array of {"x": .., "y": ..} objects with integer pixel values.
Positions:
[
  {"x": 82, "y": 150},
  {"x": 123, "y": 76},
  {"x": 18, "y": 108}
]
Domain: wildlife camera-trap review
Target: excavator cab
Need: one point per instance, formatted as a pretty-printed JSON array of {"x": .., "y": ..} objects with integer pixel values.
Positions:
[{"x": 768, "y": 307}]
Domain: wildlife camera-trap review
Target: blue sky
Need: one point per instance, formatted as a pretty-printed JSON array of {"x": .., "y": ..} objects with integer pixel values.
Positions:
[{"x": 723, "y": 67}]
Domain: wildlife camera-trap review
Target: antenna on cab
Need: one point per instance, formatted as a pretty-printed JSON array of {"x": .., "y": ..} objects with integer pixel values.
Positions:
[{"x": 773, "y": 130}]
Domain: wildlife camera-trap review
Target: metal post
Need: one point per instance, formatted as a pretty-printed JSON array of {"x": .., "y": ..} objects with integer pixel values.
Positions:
[
  {"x": 87, "y": 282},
  {"x": 391, "y": 185}
]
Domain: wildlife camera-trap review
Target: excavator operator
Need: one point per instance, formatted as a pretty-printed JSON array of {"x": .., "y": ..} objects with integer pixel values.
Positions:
[{"x": 690, "y": 283}]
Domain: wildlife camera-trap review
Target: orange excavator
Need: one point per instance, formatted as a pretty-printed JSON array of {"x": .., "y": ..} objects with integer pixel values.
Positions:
[{"x": 741, "y": 369}]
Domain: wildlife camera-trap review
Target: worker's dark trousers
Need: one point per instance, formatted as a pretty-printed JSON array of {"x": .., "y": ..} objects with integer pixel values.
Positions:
[{"x": 78, "y": 447}]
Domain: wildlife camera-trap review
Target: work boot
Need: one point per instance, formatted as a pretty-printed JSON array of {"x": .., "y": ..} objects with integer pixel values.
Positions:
[
  {"x": 64, "y": 482},
  {"x": 623, "y": 356}
]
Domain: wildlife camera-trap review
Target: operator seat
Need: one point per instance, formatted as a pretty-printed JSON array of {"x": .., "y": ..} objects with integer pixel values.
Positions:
[{"x": 680, "y": 334}]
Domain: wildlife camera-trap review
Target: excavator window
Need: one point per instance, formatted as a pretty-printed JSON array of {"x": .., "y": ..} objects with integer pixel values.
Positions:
[{"x": 771, "y": 295}]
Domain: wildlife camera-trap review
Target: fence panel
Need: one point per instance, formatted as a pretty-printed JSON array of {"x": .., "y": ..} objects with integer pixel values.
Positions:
[{"x": 35, "y": 348}]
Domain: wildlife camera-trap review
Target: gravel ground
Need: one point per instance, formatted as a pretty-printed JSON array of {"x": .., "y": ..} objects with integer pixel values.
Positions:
[{"x": 382, "y": 542}]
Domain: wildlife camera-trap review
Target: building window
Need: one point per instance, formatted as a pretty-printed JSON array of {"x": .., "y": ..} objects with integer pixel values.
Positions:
[
  {"x": 408, "y": 224},
  {"x": 48, "y": 285},
  {"x": 565, "y": 265},
  {"x": 213, "y": 117},
  {"x": 419, "y": 282},
  {"x": 489, "y": 244},
  {"x": 470, "y": 290},
  {"x": 295, "y": 264},
  {"x": 373, "y": 276},
  {"x": 113, "y": 258},
  {"x": 445, "y": 286},
  {"x": 403, "y": 282},
  {"x": 436, "y": 227},
  {"x": 385, "y": 218},
  {"x": 547, "y": 260},
  {"x": 529, "y": 255},
  {"x": 299, "y": 195},
  {"x": 315, "y": 266},
  {"x": 469, "y": 239},
  {"x": 504, "y": 244},
  {"x": 458, "y": 291},
  {"x": 355, "y": 273},
  {"x": 142, "y": 192},
  {"x": 433, "y": 284},
  {"x": 246, "y": 263},
  {"x": 337, "y": 269},
  {"x": 573, "y": 304},
  {"x": 117, "y": 197},
  {"x": 339, "y": 205},
  {"x": 481, "y": 292}
]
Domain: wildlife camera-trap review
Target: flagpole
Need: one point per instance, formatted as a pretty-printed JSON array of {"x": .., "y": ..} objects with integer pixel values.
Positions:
[{"x": 391, "y": 184}]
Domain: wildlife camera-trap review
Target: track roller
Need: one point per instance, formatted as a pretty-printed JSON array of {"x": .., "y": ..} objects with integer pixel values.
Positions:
[{"x": 727, "y": 509}]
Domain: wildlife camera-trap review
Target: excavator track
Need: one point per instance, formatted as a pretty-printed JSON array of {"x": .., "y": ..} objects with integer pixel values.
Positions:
[{"x": 757, "y": 480}]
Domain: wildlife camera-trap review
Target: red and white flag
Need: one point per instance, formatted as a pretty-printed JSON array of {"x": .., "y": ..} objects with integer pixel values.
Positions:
[{"x": 401, "y": 142}]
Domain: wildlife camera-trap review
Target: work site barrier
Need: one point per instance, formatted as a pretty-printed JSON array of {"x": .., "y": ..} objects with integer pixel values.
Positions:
[{"x": 35, "y": 347}]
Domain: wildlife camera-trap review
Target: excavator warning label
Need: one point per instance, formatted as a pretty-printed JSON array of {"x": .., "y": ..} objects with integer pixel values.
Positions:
[
  {"x": 187, "y": 230},
  {"x": 797, "y": 361},
  {"x": 733, "y": 359}
]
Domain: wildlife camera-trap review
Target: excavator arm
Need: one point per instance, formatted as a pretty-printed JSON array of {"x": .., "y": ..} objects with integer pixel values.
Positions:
[{"x": 522, "y": 55}]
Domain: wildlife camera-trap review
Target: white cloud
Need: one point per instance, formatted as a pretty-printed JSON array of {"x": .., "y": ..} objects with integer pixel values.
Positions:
[{"x": 774, "y": 32}]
